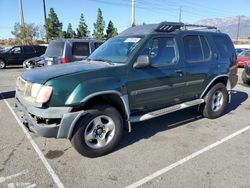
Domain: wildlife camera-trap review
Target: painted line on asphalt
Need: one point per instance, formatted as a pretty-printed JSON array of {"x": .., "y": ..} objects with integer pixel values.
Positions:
[
  {"x": 186, "y": 159},
  {"x": 36, "y": 148}
]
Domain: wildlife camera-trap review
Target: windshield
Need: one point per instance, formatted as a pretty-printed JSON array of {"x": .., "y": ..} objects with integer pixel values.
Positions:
[
  {"x": 55, "y": 49},
  {"x": 115, "y": 50}
]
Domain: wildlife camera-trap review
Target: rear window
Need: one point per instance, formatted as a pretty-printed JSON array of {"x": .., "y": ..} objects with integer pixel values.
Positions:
[
  {"x": 55, "y": 49},
  {"x": 224, "y": 46},
  {"x": 80, "y": 49}
]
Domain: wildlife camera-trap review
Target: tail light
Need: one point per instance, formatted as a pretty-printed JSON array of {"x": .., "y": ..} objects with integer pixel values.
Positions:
[{"x": 64, "y": 60}]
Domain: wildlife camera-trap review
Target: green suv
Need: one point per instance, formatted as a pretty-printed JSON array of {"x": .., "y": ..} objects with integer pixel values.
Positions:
[{"x": 144, "y": 72}]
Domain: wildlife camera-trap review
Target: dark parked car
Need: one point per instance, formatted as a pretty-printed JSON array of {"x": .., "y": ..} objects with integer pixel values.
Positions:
[
  {"x": 17, "y": 54},
  {"x": 246, "y": 74},
  {"x": 64, "y": 51},
  {"x": 144, "y": 72}
]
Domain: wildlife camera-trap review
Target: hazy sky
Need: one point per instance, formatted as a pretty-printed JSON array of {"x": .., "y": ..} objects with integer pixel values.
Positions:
[{"x": 119, "y": 11}]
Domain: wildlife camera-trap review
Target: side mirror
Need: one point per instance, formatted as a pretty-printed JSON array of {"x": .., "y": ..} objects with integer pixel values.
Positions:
[{"x": 142, "y": 61}]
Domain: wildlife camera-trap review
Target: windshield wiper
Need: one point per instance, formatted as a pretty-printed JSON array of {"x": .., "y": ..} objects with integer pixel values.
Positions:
[{"x": 102, "y": 60}]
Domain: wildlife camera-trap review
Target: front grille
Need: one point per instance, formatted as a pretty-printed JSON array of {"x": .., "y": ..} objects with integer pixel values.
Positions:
[{"x": 23, "y": 87}]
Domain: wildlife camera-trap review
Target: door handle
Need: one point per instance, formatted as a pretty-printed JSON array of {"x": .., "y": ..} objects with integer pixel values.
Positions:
[{"x": 179, "y": 72}]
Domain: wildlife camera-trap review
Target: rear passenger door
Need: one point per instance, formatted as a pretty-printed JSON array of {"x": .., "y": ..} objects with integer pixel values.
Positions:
[
  {"x": 199, "y": 64},
  {"x": 28, "y": 52},
  {"x": 80, "y": 50}
]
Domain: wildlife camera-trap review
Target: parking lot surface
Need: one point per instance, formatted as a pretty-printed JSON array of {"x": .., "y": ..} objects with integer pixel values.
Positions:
[{"x": 158, "y": 153}]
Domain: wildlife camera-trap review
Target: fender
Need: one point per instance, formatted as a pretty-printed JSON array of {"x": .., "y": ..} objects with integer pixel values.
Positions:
[{"x": 211, "y": 82}]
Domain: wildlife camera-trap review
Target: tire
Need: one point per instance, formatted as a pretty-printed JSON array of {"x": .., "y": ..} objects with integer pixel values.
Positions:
[
  {"x": 2, "y": 64},
  {"x": 98, "y": 132},
  {"x": 215, "y": 101}
]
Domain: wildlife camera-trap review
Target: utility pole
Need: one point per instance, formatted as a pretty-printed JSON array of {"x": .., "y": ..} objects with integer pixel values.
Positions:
[
  {"x": 21, "y": 12},
  {"x": 44, "y": 11},
  {"x": 238, "y": 30},
  {"x": 133, "y": 13},
  {"x": 45, "y": 17},
  {"x": 180, "y": 13}
]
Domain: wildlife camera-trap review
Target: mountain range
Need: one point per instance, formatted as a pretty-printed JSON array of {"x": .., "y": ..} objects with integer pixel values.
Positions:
[{"x": 230, "y": 25}]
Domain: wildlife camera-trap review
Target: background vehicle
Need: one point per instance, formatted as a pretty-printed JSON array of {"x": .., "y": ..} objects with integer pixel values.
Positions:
[
  {"x": 144, "y": 72},
  {"x": 32, "y": 62},
  {"x": 246, "y": 74},
  {"x": 17, "y": 54},
  {"x": 239, "y": 50},
  {"x": 65, "y": 51},
  {"x": 243, "y": 58}
]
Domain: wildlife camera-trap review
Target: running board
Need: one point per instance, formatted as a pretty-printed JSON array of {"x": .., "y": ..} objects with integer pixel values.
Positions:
[{"x": 164, "y": 111}]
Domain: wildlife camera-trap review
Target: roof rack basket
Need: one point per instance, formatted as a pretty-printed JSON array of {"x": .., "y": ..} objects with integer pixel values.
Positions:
[{"x": 173, "y": 26}]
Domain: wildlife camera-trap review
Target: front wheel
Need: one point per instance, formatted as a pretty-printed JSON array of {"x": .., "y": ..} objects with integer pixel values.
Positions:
[
  {"x": 98, "y": 132},
  {"x": 215, "y": 101},
  {"x": 2, "y": 64}
]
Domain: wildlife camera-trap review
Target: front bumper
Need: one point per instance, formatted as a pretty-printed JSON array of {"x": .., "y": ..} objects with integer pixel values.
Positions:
[{"x": 64, "y": 129}]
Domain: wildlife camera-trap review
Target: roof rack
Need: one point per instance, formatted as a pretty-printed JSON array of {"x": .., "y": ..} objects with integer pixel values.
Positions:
[
  {"x": 169, "y": 26},
  {"x": 174, "y": 26},
  {"x": 200, "y": 27}
]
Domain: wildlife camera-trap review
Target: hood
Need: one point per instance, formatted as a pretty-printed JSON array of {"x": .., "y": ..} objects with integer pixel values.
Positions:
[{"x": 41, "y": 75}]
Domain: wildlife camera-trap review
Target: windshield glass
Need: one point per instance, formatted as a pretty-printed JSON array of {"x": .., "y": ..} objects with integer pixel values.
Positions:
[
  {"x": 115, "y": 50},
  {"x": 54, "y": 49}
]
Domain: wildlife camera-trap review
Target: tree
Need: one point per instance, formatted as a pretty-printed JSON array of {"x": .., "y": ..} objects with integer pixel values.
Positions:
[
  {"x": 70, "y": 33},
  {"x": 25, "y": 34},
  {"x": 99, "y": 26},
  {"x": 82, "y": 30},
  {"x": 53, "y": 26},
  {"x": 111, "y": 30}
]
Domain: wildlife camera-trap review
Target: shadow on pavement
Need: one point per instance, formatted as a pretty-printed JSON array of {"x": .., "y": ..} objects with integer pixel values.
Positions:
[
  {"x": 147, "y": 129},
  {"x": 237, "y": 98},
  {"x": 7, "y": 95}
]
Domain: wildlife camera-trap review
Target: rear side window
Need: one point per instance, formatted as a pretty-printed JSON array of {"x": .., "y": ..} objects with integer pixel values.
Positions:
[
  {"x": 97, "y": 44},
  {"x": 224, "y": 46},
  {"x": 55, "y": 49},
  {"x": 28, "y": 50},
  {"x": 40, "y": 49},
  {"x": 80, "y": 49},
  {"x": 196, "y": 48}
]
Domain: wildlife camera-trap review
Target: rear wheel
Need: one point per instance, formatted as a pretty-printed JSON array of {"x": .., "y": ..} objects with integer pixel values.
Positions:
[
  {"x": 215, "y": 101},
  {"x": 98, "y": 132},
  {"x": 2, "y": 64}
]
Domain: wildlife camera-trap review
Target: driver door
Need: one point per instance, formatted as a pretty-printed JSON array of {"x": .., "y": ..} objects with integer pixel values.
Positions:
[{"x": 162, "y": 83}]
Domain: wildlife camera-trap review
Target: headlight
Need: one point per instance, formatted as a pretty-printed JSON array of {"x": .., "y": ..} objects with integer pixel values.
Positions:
[
  {"x": 44, "y": 94},
  {"x": 35, "y": 89}
]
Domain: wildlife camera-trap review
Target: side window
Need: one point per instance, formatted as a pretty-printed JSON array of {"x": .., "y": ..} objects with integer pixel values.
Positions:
[
  {"x": 97, "y": 44},
  {"x": 224, "y": 46},
  {"x": 28, "y": 50},
  {"x": 16, "y": 50},
  {"x": 80, "y": 49},
  {"x": 196, "y": 48},
  {"x": 163, "y": 51},
  {"x": 205, "y": 47}
]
